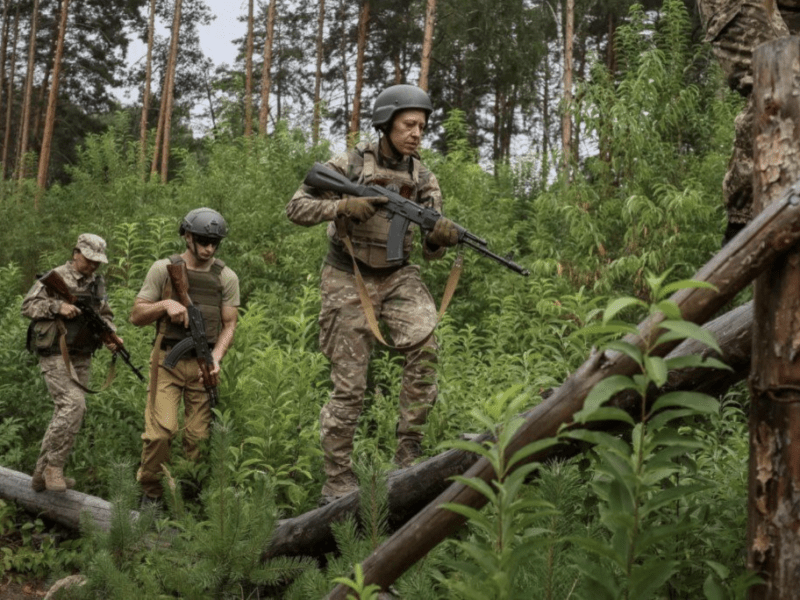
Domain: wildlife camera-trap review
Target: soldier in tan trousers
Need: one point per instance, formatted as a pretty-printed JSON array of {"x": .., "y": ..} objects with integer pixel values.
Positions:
[{"x": 214, "y": 289}]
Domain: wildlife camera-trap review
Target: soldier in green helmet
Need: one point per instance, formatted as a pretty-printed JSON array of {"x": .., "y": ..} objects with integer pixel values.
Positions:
[
  {"x": 214, "y": 289},
  {"x": 399, "y": 297}
]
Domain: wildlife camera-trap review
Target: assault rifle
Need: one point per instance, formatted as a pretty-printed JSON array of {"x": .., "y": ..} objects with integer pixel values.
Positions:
[
  {"x": 97, "y": 325},
  {"x": 402, "y": 212},
  {"x": 196, "y": 335}
]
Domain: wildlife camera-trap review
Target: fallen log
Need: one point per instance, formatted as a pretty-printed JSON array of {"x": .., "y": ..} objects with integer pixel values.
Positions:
[
  {"x": 748, "y": 255},
  {"x": 65, "y": 508},
  {"x": 411, "y": 489}
]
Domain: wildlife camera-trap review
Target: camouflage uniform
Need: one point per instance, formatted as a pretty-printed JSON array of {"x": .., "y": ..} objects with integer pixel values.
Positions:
[
  {"x": 735, "y": 28},
  {"x": 42, "y": 308},
  {"x": 398, "y": 295}
]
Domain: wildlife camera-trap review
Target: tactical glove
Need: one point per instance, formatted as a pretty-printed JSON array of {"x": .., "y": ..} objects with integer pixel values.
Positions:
[
  {"x": 444, "y": 233},
  {"x": 359, "y": 209}
]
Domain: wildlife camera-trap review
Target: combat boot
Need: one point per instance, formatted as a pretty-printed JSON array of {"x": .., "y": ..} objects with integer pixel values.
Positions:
[
  {"x": 408, "y": 450},
  {"x": 38, "y": 483},
  {"x": 54, "y": 479},
  {"x": 338, "y": 486}
]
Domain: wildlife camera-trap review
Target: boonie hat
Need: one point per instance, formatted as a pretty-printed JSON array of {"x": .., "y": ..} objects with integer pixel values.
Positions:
[{"x": 92, "y": 247}]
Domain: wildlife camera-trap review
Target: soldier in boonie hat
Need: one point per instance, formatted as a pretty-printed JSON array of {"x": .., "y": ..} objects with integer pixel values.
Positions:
[{"x": 92, "y": 247}]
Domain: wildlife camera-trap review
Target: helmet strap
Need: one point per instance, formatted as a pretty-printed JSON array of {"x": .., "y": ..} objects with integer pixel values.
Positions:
[{"x": 396, "y": 154}]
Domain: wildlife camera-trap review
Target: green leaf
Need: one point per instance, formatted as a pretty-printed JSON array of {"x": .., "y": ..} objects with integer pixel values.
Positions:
[
  {"x": 647, "y": 578},
  {"x": 656, "y": 369},
  {"x": 608, "y": 413},
  {"x": 693, "y": 360},
  {"x": 701, "y": 403},
  {"x": 687, "y": 330},
  {"x": 713, "y": 590},
  {"x": 626, "y": 348},
  {"x": 616, "y": 306},
  {"x": 600, "y": 394},
  {"x": 685, "y": 284}
]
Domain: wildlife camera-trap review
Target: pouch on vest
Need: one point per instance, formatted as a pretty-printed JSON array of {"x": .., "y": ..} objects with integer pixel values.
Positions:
[{"x": 41, "y": 335}]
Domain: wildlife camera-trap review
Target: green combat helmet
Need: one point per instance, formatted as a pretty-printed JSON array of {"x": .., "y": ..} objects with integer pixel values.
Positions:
[
  {"x": 204, "y": 221},
  {"x": 395, "y": 99}
]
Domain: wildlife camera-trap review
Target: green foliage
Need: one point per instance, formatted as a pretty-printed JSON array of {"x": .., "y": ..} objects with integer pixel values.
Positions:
[
  {"x": 647, "y": 203},
  {"x": 647, "y": 486}
]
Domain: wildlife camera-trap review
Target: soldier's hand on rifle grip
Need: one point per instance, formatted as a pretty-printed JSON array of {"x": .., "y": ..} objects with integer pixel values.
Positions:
[
  {"x": 114, "y": 342},
  {"x": 360, "y": 209},
  {"x": 69, "y": 311},
  {"x": 444, "y": 233},
  {"x": 177, "y": 312}
]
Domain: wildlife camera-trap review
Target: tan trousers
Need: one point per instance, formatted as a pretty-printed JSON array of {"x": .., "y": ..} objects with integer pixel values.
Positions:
[{"x": 161, "y": 422}]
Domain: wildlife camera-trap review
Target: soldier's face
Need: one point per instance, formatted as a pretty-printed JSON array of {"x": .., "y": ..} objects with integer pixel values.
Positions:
[
  {"x": 83, "y": 265},
  {"x": 202, "y": 247},
  {"x": 407, "y": 129}
]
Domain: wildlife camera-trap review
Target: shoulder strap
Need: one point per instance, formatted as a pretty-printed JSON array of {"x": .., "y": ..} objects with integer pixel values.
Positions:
[{"x": 369, "y": 309}]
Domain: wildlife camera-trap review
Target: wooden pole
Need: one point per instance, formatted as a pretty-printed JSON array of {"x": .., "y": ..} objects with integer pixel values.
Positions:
[{"x": 773, "y": 531}]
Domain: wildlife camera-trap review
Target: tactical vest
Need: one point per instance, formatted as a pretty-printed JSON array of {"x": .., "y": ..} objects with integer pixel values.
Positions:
[
  {"x": 369, "y": 238},
  {"x": 43, "y": 334},
  {"x": 205, "y": 290}
]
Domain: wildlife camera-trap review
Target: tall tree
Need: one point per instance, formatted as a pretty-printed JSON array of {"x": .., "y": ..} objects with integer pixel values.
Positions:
[
  {"x": 318, "y": 74},
  {"x": 10, "y": 95},
  {"x": 355, "y": 118},
  {"x": 4, "y": 47},
  {"x": 427, "y": 44},
  {"x": 266, "y": 81},
  {"x": 47, "y": 137},
  {"x": 167, "y": 97},
  {"x": 27, "y": 99},
  {"x": 151, "y": 28},
  {"x": 248, "y": 70},
  {"x": 566, "y": 119}
]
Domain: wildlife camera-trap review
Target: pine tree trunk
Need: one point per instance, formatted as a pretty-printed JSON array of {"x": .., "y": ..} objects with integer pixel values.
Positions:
[
  {"x": 318, "y": 75},
  {"x": 427, "y": 44},
  {"x": 173, "y": 65},
  {"x": 773, "y": 530},
  {"x": 162, "y": 109},
  {"x": 3, "y": 50},
  {"x": 248, "y": 78},
  {"x": 343, "y": 54},
  {"x": 49, "y": 124},
  {"x": 566, "y": 123},
  {"x": 355, "y": 118},
  {"x": 148, "y": 75},
  {"x": 10, "y": 95},
  {"x": 266, "y": 79},
  {"x": 27, "y": 98}
]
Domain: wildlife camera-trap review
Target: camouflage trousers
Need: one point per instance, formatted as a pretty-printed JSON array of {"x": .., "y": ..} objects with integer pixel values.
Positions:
[
  {"x": 405, "y": 306},
  {"x": 69, "y": 406},
  {"x": 748, "y": 25},
  {"x": 161, "y": 422}
]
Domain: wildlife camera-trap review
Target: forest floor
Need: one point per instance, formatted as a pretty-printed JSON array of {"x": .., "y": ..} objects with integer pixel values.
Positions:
[{"x": 28, "y": 590}]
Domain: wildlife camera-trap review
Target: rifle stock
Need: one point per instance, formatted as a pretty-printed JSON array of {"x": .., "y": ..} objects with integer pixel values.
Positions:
[
  {"x": 196, "y": 332},
  {"x": 402, "y": 213}
]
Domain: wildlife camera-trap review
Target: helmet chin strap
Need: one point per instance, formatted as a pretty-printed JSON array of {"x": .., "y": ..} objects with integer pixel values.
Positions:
[{"x": 396, "y": 154}]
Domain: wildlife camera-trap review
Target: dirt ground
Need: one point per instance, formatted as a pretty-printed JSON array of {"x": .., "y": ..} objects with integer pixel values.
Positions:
[{"x": 22, "y": 591}]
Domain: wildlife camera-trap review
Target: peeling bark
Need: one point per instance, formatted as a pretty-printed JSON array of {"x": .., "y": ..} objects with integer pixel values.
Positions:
[{"x": 774, "y": 470}]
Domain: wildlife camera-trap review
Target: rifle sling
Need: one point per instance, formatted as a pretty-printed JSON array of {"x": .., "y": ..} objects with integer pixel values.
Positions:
[
  {"x": 62, "y": 343},
  {"x": 369, "y": 309}
]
